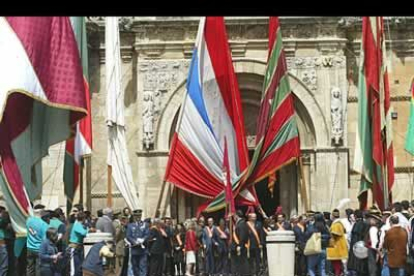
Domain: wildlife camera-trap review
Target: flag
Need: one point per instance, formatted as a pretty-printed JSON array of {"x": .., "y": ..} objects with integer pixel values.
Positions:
[
  {"x": 227, "y": 184},
  {"x": 81, "y": 144},
  {"x": 271, "y": 183},
  {"x": 117, "y": 149},
  {"x": 409, "y": 140},
  {"x": 42, "y": 96},
  {"x": 277, "y": 138},
  {"x": 373, "y": 158},
  {"x": 210, "y": 112}
]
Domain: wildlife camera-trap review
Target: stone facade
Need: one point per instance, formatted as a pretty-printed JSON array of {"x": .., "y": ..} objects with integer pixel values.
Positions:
[{"x": 322, "y": 53}]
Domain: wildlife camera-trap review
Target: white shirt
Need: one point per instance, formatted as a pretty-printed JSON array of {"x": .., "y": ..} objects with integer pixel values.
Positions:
[
  {"x": 373, "y": 236},
  {"x": 384, "y": 230}
]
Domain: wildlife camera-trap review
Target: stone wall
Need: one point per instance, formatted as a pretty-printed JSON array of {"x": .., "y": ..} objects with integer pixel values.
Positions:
[{"x": 322, "y": 56}]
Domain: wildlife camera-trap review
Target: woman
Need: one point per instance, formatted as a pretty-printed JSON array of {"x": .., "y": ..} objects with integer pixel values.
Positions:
[
  {"x": 191, "y": 249},
  {"x": 49, "y": 254},
  {"x": 179, "y": 238},
  {"x": 338, "y": 252},
  {"x": 318, "y": 260}
]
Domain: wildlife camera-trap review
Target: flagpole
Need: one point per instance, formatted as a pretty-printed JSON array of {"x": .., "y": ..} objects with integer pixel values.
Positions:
[
  {"x": 81, "y": 180},
  {"x": 109, "y": 197},
  {"x": 89, "y": 183},
  {"x": 303, "y": 190}
]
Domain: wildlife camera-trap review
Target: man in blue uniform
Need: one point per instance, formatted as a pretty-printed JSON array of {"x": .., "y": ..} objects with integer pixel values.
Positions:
[
  {"x": 137, "y": 235},
  {"x": 36, "y": 233}
]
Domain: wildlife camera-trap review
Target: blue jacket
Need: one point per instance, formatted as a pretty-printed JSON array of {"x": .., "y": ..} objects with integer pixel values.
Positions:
[
  {"x": 47, "y": 250},
  {"x": 138, "y": 230},
  {"x": 36, "y": 233},
  {"x": 325, "y": 235},
  {"x": 93, "y": 261}
]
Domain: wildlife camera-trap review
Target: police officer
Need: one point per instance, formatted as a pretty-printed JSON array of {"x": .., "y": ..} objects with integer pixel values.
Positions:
[{"x": 137, "y": 235}]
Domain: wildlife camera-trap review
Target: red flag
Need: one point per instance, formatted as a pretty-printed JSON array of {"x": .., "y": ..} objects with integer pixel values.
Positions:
[{"x": 227, "y": 182}]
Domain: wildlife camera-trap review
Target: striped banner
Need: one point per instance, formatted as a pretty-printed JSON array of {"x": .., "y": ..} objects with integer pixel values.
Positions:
[
  {"x": 373, "y": 157},
  {"x": 277, "y": 137}
]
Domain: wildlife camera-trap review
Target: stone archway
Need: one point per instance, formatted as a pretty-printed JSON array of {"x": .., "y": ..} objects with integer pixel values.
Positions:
[{"x": 313, "y": 127}]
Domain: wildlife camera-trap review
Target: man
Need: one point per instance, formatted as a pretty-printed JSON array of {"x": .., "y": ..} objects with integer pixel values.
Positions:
[
  {"x": 36, "y": 233},
  {"x": 137, "y": 236},
  {"x": 222, "y": 239},
  {"x": 96, "y": 258},
  {"x": 10, "y": 237},
  {"x": 255, "y": 249},
  {"x": 120, "y": 235},
  {"x": 78, "y": 233},
  {"x": 327, "y": 216},
  {"x": 339, "y": 251},
  {"x": 4, "y": 256},
  {"x": 104, "y": 223},
  {"x": 200, "y": 264},
  {"x": 374, "y": 218},
  {"x": 300, "y": 238},
  {"x": 383, "y": 230},
  {"x": 403, "y": 221},
  {"x": 282, "y": 224},
  {"x": 168, "y": 261},
  {"x": 55, "y": 222},
  {"x": 239, "y": 245},
  {"x": 359, "y": 232},
  {"x": 157, "y": 247},
  {"x": 209, "y": 243},
  {"x": 395, "y": 243}
]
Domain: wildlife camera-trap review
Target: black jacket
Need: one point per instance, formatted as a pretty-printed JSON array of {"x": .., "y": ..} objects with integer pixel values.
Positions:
[
  {"x": 242, "y": 233},
  {"x": 156, "y": 241}
]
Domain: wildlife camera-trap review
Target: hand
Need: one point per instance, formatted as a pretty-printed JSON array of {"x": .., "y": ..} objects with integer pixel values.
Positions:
[
  {"x": 238, "y": 249},
  {"x": 216, "y": 244}
]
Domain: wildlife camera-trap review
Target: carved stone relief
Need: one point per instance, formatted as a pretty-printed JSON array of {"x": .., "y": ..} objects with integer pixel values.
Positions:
[
  {"x": 159, "y": 77},
  {"x": 336, "y": 116}
]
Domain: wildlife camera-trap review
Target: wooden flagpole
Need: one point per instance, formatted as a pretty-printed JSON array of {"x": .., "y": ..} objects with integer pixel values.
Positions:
[
  {"x": 109, "y": 198},
  {"x": 81, "y": 180},
  {"x": 303, "y": 190},
  {"x": 88, "y": 183}
]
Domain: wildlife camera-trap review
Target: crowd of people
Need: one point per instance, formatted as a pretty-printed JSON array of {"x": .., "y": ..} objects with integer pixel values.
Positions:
[{"x": 368, "y": 242}]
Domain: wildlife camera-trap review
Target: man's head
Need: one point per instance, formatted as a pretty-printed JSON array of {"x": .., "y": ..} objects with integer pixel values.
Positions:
[
  {"x": 126, "y": 211},
  {"x": 222, "y": 223},
  {"x": 124, "y": 220},
  {"x": 397, "y": 208},
  {"x": 302, "y": 220},
  {"x": 137, "y": 215},
  {"x": 394, "y": 220},
  {"x": 405, "y": 205},
  {"x": 167, "y": 221},
  {"x": 238, "y": 214},
  {"x": 201, "y": 221},
  {"x": 52, "y": 234},
  {"x": 252, "y": 217},
  {"x": 210, "y": 221},
  {"x": 335, "y": 214},
  {"x": 79, "y": 206},
  {"x": 108, "y": 212},
  {"x": 45, "y": 215},
  {"x": 294, "y": 219},
  {"x": 281, "y": 218},
  {"x": 81, "y": 217}
]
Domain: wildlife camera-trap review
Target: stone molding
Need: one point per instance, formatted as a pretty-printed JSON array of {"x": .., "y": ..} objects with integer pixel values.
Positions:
[{"x": 354, "y": 99}]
